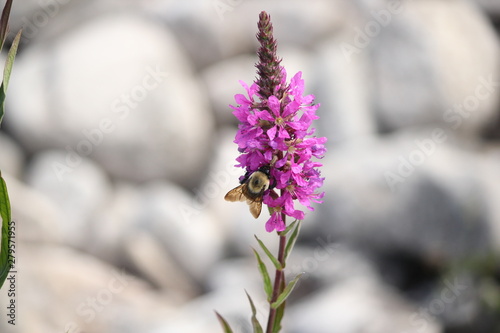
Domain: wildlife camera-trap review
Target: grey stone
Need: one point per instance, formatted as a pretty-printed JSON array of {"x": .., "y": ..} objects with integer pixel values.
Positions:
[
  {"x": 84, "y": 294},
  {"x": 12, "y": 161},
  {"x": 404, "y": 193},
  {"x": 162, "y": 216},
  {"x": 428, "y": 69},
  {"x": 79, "y": 194},
  {"x": 120, "y": 90}
]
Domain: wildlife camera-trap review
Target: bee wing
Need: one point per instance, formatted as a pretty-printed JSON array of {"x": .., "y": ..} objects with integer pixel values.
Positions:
[
  {"x": 236, "y": 194},
  {"x": 241, "y": 193},
  {"x": 255, "y": 207}
]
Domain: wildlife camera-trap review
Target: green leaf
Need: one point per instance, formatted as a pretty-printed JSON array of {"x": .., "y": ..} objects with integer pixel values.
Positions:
[
  {"x": 284, "y": 295},
  {"x": 279, "y": 316},
  {"x": 287, "y": 230},
  {"x": 280, "y": 311},
  {"x": 269, "y": 254},
  {"x": 257, "y": 328},
  {"x": 6, "y": 218},
  {"x": 6, "y": 72},
  {"x": 265, "y": 276},
  {"x": 4, "y": 22},
  {"x": 223, "y": 323},
  {"x": 292, "y": 240}
]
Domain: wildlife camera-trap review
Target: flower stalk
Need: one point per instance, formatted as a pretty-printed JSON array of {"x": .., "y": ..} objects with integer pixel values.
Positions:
[
  {"x": 279, "y": 286},
  {"x": 277, "y": 148}
]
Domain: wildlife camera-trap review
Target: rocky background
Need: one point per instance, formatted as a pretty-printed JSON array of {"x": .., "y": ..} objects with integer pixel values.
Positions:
[{"x": 117, "y": 149}]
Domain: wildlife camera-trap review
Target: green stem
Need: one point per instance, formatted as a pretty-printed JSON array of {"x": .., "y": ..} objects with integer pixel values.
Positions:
[{"x": 279, "y": 281}]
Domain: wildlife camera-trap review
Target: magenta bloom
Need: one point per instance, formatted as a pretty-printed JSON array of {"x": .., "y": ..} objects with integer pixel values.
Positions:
[{"x": 276, "y": 131}]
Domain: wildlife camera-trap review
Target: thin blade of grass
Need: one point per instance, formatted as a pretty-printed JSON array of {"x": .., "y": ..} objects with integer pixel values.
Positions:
[
  {"x": 5, "y": 213},
  {"x": 223, "y": 323},
  {"x": 7, "y": 71},
  {"x": 4, "y": 22}
]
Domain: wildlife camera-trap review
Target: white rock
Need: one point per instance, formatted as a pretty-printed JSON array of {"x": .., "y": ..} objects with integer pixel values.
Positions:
[
  {"x": 429, "y": 62},
  {"x": 491, "y": 7},
  {"x": 109, "y": 226},
  {"x": 489, "y": 182},
  {"x": 356, "y": 305},
  {"x": 44, "y": 20},
  {"x": 120, "y": 91},
  {"x": 147, "y": 255},
  {"x": 12, "y": 161},
  {"x": 222, "y": 82},
  {"x": 343, "y": 90},
  {"x": 191, "y": 236},
  {"x": 38, "y": 218},
  {"x": 231, "y": 303},
  {"x": 84, "y": 294},
  {"x": 79, "y": 194},
  {"x": 162, "y": 217},
  {"x": 391, "y": 194},
  {"x": 224, "y": 29}
]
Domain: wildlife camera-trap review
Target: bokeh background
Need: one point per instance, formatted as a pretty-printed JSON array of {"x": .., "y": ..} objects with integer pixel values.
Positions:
[{"x": 117, "y": 149}]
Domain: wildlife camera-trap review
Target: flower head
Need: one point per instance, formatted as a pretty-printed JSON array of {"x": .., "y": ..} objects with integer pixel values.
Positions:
[{"x": 275, "y": 130}]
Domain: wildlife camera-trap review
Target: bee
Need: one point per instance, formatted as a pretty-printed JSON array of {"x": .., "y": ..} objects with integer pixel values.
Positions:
[{"x": 251, "y": 190}]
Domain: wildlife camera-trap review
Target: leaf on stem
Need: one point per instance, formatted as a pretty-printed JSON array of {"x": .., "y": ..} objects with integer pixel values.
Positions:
[
  {"x": 6, "y": 217},
  {"x": 284, "y": 295},
  {"x": 265, "y": 276},
  {"x": 223, "y": 323},
  {"x": 257, "y": 328},
  {"x": 280, "y": 311},
  {"x": 292, "y": 239},
  {"x": 4, "y": 22},
  {"x": 287, "y": 230},
  {"x": 6, "y": 72},
  {"x": 269, "y": 255}
]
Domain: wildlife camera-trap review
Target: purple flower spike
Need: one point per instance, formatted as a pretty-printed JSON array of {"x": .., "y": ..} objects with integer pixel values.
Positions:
[{"x": 275, "y": 131}]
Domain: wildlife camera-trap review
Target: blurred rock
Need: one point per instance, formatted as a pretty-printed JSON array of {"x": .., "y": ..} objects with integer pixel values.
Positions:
[
  {"x": 84, "y": 295},
  {"x": 405, "y": 193},
  {"x": 148, "y": 256},
  {"x": 79, "y": 192},
  {"x": 343, "y": 90},
  {"x": 455, "y": 301},
  {"x": 235, "y": 273},
  {"x": 191, "y": 236},
  {"x": 46, "y": 20},
  {"x": 489, "y": 178},
  {"x": 110, "y": 225},
  {"x": 342, "y": 291},
  {"x": 118, "y": 238},
  {"x": 118, "y": 89},
  {"x": 491, "y": 7},
  {"x": 357, "y": 305},
  {"x": 231, "y": 303},
  {"x": 12, "y": 161},
  {"x": 38, "y": 218},
  {"x": 224, "y": 29},
  {"x": 429, "y": 69},
  {"x": 162, "y": 217},
  {"x": 222, "y": 83}
]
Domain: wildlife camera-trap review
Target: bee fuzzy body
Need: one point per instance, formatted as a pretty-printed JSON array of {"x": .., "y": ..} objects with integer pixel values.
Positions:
[{"x": 251, "y": 190}]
